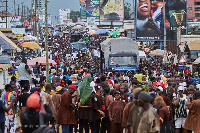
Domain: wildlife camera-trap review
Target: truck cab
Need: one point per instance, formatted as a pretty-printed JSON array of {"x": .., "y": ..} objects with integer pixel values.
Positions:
[{"x": 123, "y": 61}]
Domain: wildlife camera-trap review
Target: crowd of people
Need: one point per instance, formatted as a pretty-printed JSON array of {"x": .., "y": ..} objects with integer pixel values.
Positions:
[{"x": 78, "y": 97}]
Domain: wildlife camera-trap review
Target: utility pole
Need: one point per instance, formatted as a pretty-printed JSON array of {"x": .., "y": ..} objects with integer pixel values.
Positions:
[
  {"x": 46, "y": 43},
  {"x": 22, "y": 9},
  {"x": 27, "y": 11},
  {"x": 6, "y": 14},
  {"x": 165, "y": 39},
  {"x": 18, "y": 10},
  {"x": 15, "y": 7},
  {"x": 164, "y": 17},
  {"x": 35, "y": 19}
]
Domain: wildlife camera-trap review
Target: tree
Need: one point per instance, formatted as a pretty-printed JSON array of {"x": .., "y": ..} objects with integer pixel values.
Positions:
[
  {"x": 74, "y": 16},
  {"x": 127, "y": 9}
]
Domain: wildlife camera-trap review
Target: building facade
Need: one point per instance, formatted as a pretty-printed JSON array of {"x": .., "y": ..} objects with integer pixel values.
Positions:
[{"x": 193, "y": 10}]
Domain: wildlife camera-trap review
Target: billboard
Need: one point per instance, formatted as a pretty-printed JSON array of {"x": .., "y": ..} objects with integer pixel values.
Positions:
[
  {"x": 83, "y": 9},
  {"x": 92, "y": 7},
  {"x": 111, "y": 10},
  {"x": 63, "y": 15},
  {"x": 149, "y": 21}
]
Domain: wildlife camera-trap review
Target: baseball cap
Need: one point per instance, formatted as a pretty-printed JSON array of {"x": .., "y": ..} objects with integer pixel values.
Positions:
[
  {"x": 160, "y": 88},
  {"x": 58, "y": 88},
  {"x": 180, "y": 88},
  {"x": 73, "y": 87}
]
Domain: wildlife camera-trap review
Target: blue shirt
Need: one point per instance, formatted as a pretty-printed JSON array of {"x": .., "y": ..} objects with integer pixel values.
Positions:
[{"x": 2, "y": 112}]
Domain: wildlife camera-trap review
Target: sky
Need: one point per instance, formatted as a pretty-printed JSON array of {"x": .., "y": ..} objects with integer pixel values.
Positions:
[{"x": 53, "y": 5}]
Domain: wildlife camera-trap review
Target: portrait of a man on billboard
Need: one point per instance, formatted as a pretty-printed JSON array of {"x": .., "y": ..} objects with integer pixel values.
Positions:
[{"x": 150, "y": 21}]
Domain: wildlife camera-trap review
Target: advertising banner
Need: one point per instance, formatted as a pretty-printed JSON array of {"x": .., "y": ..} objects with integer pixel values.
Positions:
[
  {"x": 91, "y": 21},
  {"x": 92, "y": 7},
  {"x": 83, "y": 9},
  {"x": 14, "y": 21},
  {"x": 111, "y": 10},
  {"x": 150, "y": 22},
  {"x": 63, "y": 15}
]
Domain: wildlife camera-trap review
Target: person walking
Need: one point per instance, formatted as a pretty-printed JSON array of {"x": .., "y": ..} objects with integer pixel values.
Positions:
[
  {"x": 24, "y": 73},
  {"x": 66, "y": 116},
  {"x": 180, "y": 102},
  {"x": 192, "y": 121},
  {"x": 149, "y": 122},
  {"x": 4, "y": 109},
  {"x": 116, "y": 109}
]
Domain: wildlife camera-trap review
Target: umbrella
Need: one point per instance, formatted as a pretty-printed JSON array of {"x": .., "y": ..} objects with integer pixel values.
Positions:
[
  {"x": 94, "y": 28},
  {"x": 41, "y": 61},
  {"x": 114, "y": 33},
  {"x": 77, "y": 27},
  {"x": 91, "y": 32},
  {"x": 30, "y": 45},
  {"x": 101, "y": 31},
  {"x": 30, "y": 38},
  {"x": 157, "y": 52}
]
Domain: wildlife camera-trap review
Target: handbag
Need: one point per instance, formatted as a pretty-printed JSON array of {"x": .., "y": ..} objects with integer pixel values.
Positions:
[{"x": 168, "y": 127}]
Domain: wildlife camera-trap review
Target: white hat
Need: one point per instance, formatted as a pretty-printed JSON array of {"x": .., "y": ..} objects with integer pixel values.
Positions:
[
  {"x": 160, "y": 88},
  {"x": 180, "y": 88},
  {"x": 198, "y": 86}
]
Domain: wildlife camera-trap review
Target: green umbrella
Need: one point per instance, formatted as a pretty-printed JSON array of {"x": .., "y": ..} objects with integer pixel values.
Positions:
[{"x": 114, "y": 33}]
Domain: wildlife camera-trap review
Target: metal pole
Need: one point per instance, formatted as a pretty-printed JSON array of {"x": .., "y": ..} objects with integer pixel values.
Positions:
[
  {"x": 164, "y": 16},
  {"x": 38, "y": 26},
  {"x": 46, "y": 44},
  {"x": 18, "y": 10},
  {"x": 15, "y": 7},
  {"x": 6, "y": 14},
  {"x": 35, "y": 19}
]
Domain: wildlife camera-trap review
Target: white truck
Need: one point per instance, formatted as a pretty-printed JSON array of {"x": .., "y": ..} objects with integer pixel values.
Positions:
[{"x": 120, "y": 54}]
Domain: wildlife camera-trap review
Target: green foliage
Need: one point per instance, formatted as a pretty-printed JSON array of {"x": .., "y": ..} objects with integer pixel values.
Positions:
[
  {"x": 127, "y": 9},
  {"x": 74, "y": 15},
  {"x": 85, "y": 90}
]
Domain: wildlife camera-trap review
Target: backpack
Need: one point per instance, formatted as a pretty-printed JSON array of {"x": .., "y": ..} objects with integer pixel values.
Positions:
[
  {"x": 168, "y": 127},
  {"x": 43, "y": 128}
]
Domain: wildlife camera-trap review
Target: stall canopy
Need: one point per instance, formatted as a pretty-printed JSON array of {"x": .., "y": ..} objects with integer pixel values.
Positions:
[{"x": 7, "y": 44}]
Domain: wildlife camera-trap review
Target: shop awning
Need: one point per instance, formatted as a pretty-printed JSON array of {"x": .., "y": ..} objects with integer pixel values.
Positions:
[
  {"x": 7, "y": 44},
  {"x": 194, "y": 46}
]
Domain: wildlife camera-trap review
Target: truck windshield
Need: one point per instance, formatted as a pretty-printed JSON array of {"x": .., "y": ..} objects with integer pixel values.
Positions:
[
  {"x": 78, "y": 46},
  {"x": 123, "y": 61}
]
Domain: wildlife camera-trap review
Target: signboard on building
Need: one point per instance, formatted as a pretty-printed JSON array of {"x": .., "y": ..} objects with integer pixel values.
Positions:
[
  {"x": 149, "y": 19},
  {"x": 92, "y": 7},
  {"x": 63, "y": 15},
  {"x": 91, "y": 21},
  {"x": 14, "y": 21},
  {"x": 112, "y": 10},
  {"x": 83, "y": 9}
]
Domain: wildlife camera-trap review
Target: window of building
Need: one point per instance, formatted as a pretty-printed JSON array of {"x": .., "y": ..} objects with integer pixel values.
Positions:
[
  {"x": 197, "y": 14},
  {"x": 197, "y": 3},
  {"x": 189, "y": 8},
  {"x": 197, "y": 8}
]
